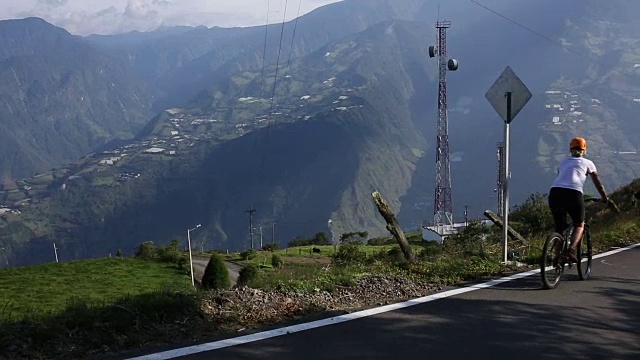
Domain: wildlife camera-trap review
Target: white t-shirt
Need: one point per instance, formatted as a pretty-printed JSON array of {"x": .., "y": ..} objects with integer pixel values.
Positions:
[{"x": 573, "y": 173}]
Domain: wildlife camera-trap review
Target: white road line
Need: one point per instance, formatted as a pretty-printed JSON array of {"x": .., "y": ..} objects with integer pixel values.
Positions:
[{"x": 172, "y": 354}]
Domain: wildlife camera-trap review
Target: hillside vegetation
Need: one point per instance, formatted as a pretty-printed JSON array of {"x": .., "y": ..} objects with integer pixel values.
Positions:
[{"x": 131, "y": 303}]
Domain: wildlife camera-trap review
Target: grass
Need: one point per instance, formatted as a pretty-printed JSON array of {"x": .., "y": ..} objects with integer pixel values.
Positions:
[
  {"x": 103, "y": 181},
  {"x": 48, "y": 289}
]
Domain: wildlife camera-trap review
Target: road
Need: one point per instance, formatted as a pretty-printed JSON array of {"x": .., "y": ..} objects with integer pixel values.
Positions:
[{"x": 596, "y": 319}]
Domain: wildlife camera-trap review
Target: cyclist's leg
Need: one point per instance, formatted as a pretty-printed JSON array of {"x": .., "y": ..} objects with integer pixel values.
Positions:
[
  {"x": 556, "y": 205},
  {"x": 576, "y": 211},
  {"x": 558, "y": 210}
]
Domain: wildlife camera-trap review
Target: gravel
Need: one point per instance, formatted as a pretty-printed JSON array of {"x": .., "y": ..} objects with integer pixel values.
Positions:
[{"x": 245, "y": 306}]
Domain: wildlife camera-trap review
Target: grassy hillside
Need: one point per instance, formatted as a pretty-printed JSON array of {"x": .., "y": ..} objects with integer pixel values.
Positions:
[{"x": 48, "y": 289}]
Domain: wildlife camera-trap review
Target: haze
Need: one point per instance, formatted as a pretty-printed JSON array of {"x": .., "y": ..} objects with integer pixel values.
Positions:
[{"x": 85, "y": 17}]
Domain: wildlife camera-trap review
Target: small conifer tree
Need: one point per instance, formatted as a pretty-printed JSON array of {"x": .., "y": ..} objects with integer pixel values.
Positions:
[
  {"x": 216, "y": 275},
  {"x": 247, "y": 274}
]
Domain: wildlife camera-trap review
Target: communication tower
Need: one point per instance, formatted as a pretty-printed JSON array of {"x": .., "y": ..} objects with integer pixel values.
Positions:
[{"x": 443, "y": 206}]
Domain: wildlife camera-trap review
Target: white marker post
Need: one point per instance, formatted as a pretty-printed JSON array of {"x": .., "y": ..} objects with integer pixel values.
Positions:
[
  {"x": 193, "y": 282},
  {"x": 508, "y": 95}
]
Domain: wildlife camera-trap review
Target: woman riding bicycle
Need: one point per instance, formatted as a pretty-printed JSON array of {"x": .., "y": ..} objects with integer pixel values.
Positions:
[{"x": 566, "y": 193}]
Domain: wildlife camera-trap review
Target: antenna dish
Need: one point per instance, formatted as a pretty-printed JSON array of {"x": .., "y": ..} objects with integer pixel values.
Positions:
[
  {"x": 432, "y": 51},
  {"x": 452, "y": 64}
]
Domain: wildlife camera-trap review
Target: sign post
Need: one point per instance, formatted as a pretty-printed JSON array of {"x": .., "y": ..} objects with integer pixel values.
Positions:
[{"x": 508, "y": 95}]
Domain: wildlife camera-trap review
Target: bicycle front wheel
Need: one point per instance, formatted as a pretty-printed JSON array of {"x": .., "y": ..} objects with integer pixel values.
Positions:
[
  {"x": 551, "y": 267},
  {"x": 585, "y": 256}
]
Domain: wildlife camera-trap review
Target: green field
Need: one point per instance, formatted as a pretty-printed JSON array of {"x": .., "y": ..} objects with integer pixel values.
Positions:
[{"x": 48, "y": 289}]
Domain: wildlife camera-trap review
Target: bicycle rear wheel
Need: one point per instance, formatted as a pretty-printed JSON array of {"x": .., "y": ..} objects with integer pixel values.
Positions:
[
  {"x": 551, "y": 267},
  {"x": 585, "y": 253}
]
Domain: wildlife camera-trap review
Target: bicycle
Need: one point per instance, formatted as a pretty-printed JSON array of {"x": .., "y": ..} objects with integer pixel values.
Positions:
[{"x": 553, "y": 262}]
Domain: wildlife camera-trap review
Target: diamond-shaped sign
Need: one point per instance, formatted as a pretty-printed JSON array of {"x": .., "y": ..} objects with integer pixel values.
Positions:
[{"x": 508, "y": 81}]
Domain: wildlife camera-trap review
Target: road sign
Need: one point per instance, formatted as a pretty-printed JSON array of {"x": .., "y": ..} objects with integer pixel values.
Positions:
[{"x": 508, "y": 83}]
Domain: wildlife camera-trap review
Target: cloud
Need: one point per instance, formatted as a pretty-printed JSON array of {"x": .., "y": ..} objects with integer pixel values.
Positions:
[
  {"x": 53, "y": 3},
  {"x": 84, "y": 17}
]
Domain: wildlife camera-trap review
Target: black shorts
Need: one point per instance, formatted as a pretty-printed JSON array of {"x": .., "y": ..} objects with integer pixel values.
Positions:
[{"x": 563, "y": 201}]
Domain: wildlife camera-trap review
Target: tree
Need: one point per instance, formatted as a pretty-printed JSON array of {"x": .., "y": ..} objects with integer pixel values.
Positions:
[
  {"x": 216, "y": 275},
  {"x": 321, "y": 238},
  {"x": 359, "y": 237}
]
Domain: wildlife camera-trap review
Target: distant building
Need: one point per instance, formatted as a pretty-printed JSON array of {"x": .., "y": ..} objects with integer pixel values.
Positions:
[
  {"x": 440, "y": 233},
  {"x": 154, "y": 150}
]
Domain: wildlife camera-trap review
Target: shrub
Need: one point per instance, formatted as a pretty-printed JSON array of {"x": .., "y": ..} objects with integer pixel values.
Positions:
[
  {"x": 119, "y": 253},
  {"x": 276, "y": 261},
  {"x": 533, "y": 217},
  {"x": 247, "y": 275},
  {"x": 248, "y": 254},
  {"x": 270, "y": 247},
  {"x": 183, "y": 264},
  {"x": 146, "y": 250},
  {"x": 320, "y": 238},
  {"x": 170, "y": 253},
  {"x": 381, "y": 241},
  {"x": 349, "y": 254},
  {"x": 216, "y": 275},
  {"x": 430, "y": 249}
]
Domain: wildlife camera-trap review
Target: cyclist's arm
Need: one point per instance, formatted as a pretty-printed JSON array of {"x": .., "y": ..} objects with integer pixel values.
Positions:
[{"x": 596, "y": 181}]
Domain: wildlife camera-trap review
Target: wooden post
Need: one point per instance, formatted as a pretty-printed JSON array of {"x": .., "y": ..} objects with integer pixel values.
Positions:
[
  {"x": 393, "y": 226},
  {"x": 496, "y": 220}
]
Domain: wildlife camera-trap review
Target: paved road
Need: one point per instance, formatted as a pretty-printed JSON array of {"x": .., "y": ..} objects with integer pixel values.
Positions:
[{"x": 596, "y": 319}]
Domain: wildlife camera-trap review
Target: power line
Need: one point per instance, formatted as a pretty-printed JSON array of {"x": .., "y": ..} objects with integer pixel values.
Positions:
[
  {"x": 589, "y": 58},
  {"x": 275, "y": 80},
  {"x": 264, "y": 50},
  {"x": 295, "y": 26}
]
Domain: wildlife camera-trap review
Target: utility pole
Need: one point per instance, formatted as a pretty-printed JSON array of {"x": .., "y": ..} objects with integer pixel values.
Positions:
[
  {"x": 443, "y": 205},
  {"x": 55, "y": 251},
  {"x": 466, "y": 212},
  {"x": 250, "y": 211},
  {"x": 6, "y": 260},
  {"x": 273, "y": 232}
]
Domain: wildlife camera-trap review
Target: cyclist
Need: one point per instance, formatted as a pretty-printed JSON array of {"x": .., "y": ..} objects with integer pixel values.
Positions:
[{"x": 566, "y": 192}]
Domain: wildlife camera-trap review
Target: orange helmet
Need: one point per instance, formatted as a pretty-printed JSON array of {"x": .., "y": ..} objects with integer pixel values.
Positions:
[{"x": 579, "y": 143}]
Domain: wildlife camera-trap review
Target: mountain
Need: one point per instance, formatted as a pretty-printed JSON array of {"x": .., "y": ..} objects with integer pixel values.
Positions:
[
  {"x": 349, "y": 116},
  {"x": 60, "y": 98},
  {"x": 183, "y": 63}
]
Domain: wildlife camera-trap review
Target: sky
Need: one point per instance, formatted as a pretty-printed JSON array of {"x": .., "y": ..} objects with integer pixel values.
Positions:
[{"x": 85, "y": 17}]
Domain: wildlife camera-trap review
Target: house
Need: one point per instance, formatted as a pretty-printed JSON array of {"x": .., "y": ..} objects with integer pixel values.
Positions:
[{"x": 154, "y": 150}]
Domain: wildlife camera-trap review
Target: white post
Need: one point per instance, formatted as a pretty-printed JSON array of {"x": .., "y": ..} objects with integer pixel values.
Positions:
[
  {"x": 55, "y": 251},
  {"x": 260, "y": 237},
  {"x": 507, "y": 175},
  {"x": 193, "y": 282}
]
